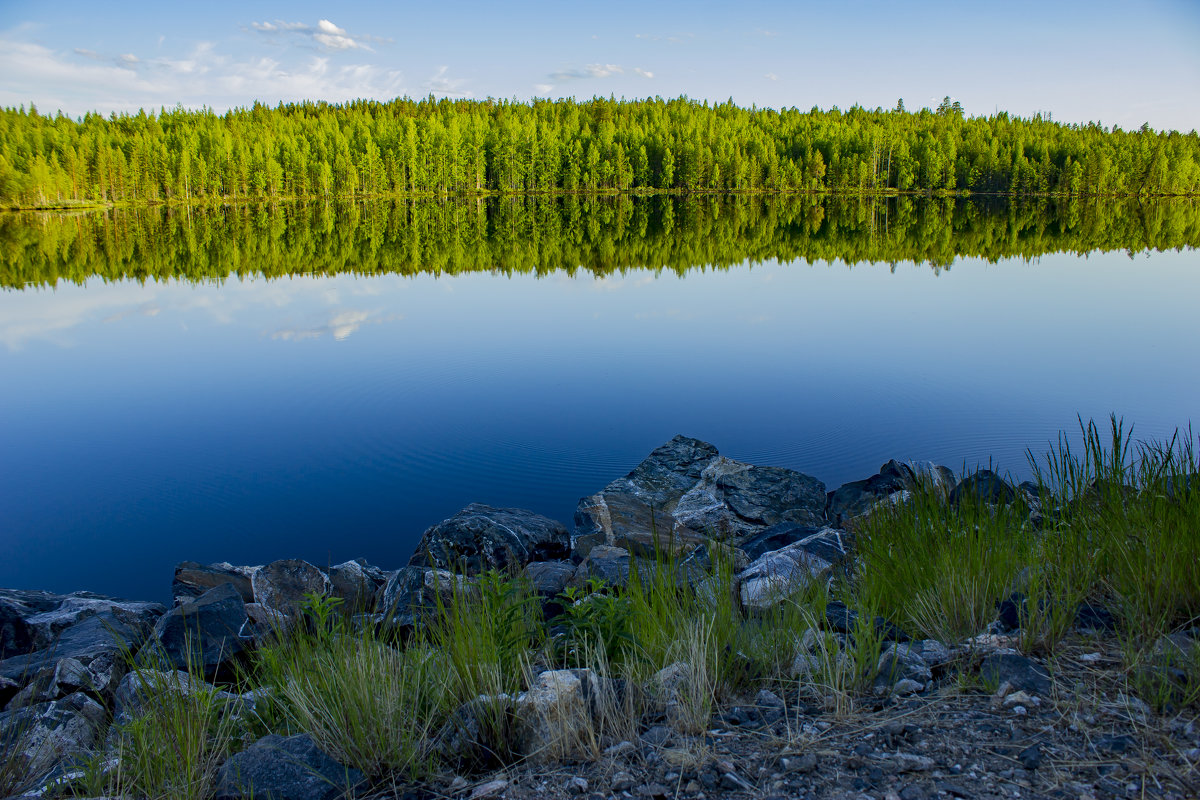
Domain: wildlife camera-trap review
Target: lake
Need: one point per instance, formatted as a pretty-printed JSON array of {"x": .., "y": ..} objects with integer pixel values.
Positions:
[{"x": 325, "y": 381}]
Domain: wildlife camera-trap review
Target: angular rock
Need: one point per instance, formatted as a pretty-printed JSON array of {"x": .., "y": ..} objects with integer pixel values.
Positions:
[
  {"x": 605, "y": 563},
  {"x": 101, "y": 638},
  {"x": 550, "y": 578},
  {"x": 843, "y": 620},
  {"x": 779, "y": 574},
  {"x": 685, "y": 493},
  {"x": 478, "y": 735},
  {"x": 1017, "y": 671},
  {"x": 16, "y": 637},
  {"x": 207, "y": 631},
  {"x": 561, "y": 715},
  {"x": 275, "y": 768},
  {"x": 47, "y": 624},
  {"x": 412, "y": 592},
  {"x": 193, "y": 579},
  {"x": 630, "y": 508},
  {"x": 899, "y": 662},
  {"x": 984, "y": 486},
  {"x": 39, "y": 736},
  {"x": 776, "y": 537},
  {"x": 143, "y": 687},
  {"x": 283, "y": 585},
  {"x": 481, "y": 537},
  {"x": 356, "y": 583}
]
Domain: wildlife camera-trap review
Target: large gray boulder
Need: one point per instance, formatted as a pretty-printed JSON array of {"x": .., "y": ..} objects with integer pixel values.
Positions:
[
  {"x": 285, "y": 585},
  {"x": 896, "y": 480},
  {"x": 205, "y": 633},
  {"x": 193, "y": 579},
  {"x": 102, "y": 639},
  {"x": 357, "y": 583},
  {"x": 481, "y": 537},
  {"x": 983, "y": 486},
  {"x": 685, "y": 493},
  {"x": 278, "y": 768}
]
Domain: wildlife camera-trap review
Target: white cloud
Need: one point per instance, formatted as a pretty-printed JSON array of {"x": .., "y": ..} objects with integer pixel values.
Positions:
[
  {"x": 643, "y": 72},
  {"x": 543, "y": 88},
  {"x": 589, "y": 71},
  {"x": 325, "y": 33},
  {"x": 443, "y": 84},
  {"x": 84, "y": 80},
  {"x": 674, "y": 38},
  {"x": 771, "y": 76}
]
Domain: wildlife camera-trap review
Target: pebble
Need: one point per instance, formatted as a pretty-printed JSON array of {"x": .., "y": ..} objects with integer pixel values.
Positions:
[
  {"x": 489, "y": 789},
  {"x": 622, "y": 781},
  {"x": 577, "y": 785},
  {"x": 732, "y": 782}
]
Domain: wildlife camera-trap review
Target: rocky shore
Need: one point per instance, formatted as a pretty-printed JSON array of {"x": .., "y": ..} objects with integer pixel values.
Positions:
[{"x": 982, "y": 716}]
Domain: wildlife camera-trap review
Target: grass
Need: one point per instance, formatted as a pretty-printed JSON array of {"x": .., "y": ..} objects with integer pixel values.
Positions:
[{"x": 1109, "y": 521}]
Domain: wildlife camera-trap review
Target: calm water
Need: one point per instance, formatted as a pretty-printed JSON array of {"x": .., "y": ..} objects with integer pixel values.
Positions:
[{"x": 338, "y": 415}]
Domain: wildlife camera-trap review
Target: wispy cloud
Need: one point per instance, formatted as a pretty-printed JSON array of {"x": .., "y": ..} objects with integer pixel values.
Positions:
[
  {"x": 324, "y": 34},
  {"x": 589, "y": 71},
  {"x": 645, "y": 73},
  {"x": 771, "y": 76},
  {"x": 339, "y": 326},
  {"x": 673, "y": 38},
  {"x": 443, "y": 84},
  {"x": 764, "y": 32},
  {"x": 84, "y": 80}
]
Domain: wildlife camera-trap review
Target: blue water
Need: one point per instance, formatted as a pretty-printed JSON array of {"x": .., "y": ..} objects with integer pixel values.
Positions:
[{"x": 331, "y": 418}]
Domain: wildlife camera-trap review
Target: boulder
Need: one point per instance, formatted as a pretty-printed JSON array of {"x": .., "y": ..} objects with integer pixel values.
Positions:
[
  {"x": 16, "y": 637},
  {"x": 984, "y": 486},
  {"x": 412, "y": 592},
  {"x": 900, "y": 662},
  {"x": 550, "y": 578},
  {"x": 685, "y": 493},
  {"x": 193, "y": 579},
  {"x": 605, "y": 563},
  {"x": 283, "y": 585},
  {"x": 776, "y": 537},
  {"x": 206, "y": 632},
  {"x": 481, "y": 537},
  {"x": 779, "y": 574},
  {"x": 562, "y": 714},
  {"x": 101, "y": 639},
  {"x": 79, "y": 606},
  {"x": 39, "y": 736},
  {"x": 143, "y": 687},
  {"x": 356, "y": 583},
  {"x": 895, "y": 482},
  {"x": 478, "y": 734},
  {"x": 278, "y": 768}
]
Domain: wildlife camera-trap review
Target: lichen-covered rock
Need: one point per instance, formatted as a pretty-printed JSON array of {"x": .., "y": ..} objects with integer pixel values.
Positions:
[
  {"x": 98, "y": 640},
  {"x": 39, "y": 736},
  {"x": 562, "y": 714},
  {"x": 356, "y": 583},
  {"x": 481, "y": 537},
  {"x": 549, "y": 578},
  {"x": 283, "y": 585},
  {"x": 412, "y": 592},
  {"x": 685, "y": 493}
]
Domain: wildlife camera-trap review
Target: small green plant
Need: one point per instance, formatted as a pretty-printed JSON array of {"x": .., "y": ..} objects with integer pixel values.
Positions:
[
  {"x": 595, "y": 619},
  {"x": 323, "y": 611}
]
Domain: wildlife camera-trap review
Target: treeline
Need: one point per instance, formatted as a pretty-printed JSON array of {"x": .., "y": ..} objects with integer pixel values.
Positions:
[
  {"x": 541, "y": 235},
  {"x": 443, "y": 147}
]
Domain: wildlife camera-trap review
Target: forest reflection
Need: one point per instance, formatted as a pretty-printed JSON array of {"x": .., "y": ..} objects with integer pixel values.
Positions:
[{"x": 600, "y": 235}]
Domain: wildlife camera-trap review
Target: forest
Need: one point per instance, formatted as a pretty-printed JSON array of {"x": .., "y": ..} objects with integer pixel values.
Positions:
[
  {"x": 577, "y": 234},
  {"x": 444, "y": 147}
]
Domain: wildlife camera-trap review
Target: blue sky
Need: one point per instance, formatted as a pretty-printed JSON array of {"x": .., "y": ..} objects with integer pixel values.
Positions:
[{"x": 1114, "y": 62}]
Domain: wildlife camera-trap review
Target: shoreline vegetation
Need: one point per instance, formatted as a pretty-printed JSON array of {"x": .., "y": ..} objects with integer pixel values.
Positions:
[
  {"x": 940, "y": 633},
  {"x": 577, "y": 234},
  {"x": 479, "y": 148}
]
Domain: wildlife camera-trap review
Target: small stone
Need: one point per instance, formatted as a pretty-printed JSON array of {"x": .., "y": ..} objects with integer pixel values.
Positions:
[
  {"x": 577, "y": 785},
  {"x": 458, "y": 784},
  {"x": 622, "y": 781},
  {"x": 1031, "y": 757},
  {"x": 489, "y": 789},
  {"x": 653, "y": 790},
  {"x": 732, "y": 782},
  {"x": 1020, "y": 711},
  {"x": 692, "y": 787},
  {"x": 952, "y": 789},
  {"x": 1021, "y": 698},
  {"x": 912, "y": 792},
  {"x": 802, "y": 764},
  {"x": 619, "y": 749},
  {"x": 907, "y": 686}
]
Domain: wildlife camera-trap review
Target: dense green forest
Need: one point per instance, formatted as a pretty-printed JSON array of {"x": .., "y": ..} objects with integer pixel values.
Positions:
[
  {"x": 444, "y": 147},
  {"x": 541, "y": 235}
]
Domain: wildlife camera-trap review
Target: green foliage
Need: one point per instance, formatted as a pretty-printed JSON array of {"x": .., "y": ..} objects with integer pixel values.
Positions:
[
  {"x": 596, "y": 620},
  {"x": 486, "y": 632},
  {"x": 370, "y": 705},
  {"x": 175, "y": 746},
  {"x": 443, "y": 147}
]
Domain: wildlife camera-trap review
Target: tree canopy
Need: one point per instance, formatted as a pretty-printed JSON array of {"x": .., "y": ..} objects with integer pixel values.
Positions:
[{"x": 445, "y": 147}]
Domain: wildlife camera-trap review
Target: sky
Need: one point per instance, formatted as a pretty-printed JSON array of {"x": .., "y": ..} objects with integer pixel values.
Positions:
[{"x": 1121, "y": 63}]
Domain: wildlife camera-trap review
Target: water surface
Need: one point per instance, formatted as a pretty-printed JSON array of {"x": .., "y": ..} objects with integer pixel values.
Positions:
[{"x": 211, "y": 413}]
